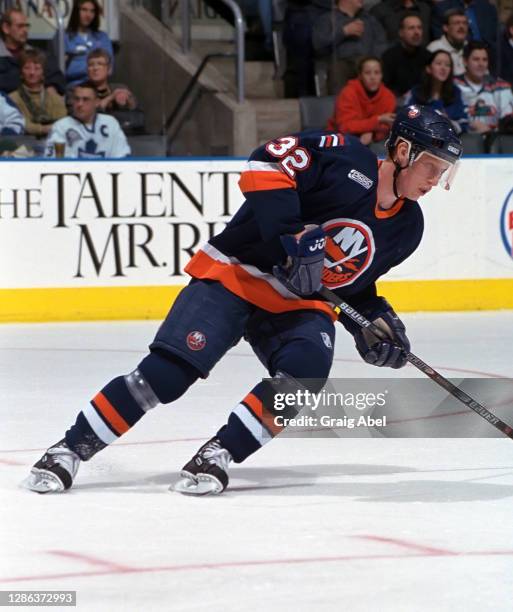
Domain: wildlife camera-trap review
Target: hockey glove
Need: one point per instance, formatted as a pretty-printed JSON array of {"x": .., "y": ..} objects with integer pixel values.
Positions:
[
  {"x": 305, "y": 261},
  {"x": 383, "y": 353}
]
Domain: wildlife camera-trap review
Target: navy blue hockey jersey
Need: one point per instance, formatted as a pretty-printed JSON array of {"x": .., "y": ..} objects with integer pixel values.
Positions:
[{"x": 314, "y": 178}]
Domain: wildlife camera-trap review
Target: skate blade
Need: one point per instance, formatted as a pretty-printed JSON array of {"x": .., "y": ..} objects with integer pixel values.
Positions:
[
  {"x": 199, "y": 484},
  {"x": 42, "y": 481}
]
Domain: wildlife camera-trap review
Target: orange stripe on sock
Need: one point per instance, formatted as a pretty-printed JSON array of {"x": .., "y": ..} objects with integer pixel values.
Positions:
[
  {"x": 261, "y": 413},
  {"x": 117, "y": 422}
]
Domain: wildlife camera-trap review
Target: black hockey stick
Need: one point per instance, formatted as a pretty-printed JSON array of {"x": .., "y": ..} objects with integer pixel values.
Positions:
[{"x": 418, "y": 363}]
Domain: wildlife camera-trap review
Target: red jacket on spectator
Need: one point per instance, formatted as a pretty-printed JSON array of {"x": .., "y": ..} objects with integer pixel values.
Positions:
[{"x": 356, "y": 112}]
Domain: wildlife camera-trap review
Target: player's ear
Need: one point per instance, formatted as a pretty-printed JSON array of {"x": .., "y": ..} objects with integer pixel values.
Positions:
[{"x": 401, "y": 153}]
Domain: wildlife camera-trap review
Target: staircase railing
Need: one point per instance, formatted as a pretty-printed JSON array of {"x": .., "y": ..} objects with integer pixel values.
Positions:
[
  {"x": 180, "y": 104},
  {"x": 240, "y": 28}
]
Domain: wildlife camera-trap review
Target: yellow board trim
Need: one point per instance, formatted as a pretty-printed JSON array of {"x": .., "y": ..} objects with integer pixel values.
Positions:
[
  {"x": 86, "y": 303},
  {"x": 125, "y": 303},
  {"x": 447, "y": 295}
]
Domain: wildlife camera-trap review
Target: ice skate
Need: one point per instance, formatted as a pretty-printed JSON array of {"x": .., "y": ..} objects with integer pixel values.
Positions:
[
  {"x": 207, "y": 472},
  {"x": 55, "y": 471}
]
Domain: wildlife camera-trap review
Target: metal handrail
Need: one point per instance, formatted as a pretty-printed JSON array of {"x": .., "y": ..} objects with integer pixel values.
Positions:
[
  {"x": 186, "y": 26},
  {"x": 240, "y": 28},
  {"x": 61, "y": 56},
  {"x": 185, "y": 95}
]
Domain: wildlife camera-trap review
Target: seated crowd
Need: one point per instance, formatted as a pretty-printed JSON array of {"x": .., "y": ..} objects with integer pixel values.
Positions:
[
  {"x": 462, "y": 73},
  {"x": 373, "y": 55},
  {"x": 80, "y": 108}
]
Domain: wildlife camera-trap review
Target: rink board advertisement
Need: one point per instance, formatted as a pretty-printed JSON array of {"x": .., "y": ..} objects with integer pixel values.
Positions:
[{"x": 109, "y": 240}]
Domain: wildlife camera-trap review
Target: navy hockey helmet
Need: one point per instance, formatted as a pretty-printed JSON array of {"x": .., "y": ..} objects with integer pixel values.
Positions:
[{"x": 426, "y": 131}]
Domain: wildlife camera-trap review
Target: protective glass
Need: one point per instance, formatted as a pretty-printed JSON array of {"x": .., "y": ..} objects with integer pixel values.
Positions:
[{"x": 431, "y": 166}]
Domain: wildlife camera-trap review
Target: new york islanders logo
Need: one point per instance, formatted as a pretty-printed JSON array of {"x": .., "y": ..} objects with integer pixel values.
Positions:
[
  {"x": 349, "y": 251},
  {"x": 507, "y": 224},
  {"x": 196, "y": 341}
]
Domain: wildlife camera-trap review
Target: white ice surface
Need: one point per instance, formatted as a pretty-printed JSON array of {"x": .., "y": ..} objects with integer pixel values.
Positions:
[{"x": 392, "y": 525}]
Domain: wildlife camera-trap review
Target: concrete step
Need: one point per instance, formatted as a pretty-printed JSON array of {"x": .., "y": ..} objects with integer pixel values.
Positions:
[
  {"x": 276, "y": 118},
  {"x": 260, "y": 81},
  {"x": 204, "y": 47},
  {"x": 206, "y": 29}
]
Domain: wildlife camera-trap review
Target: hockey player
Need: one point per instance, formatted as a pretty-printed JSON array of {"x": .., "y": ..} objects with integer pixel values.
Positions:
[
  {"x": 319, "y": 209},
  {"x": 86, "y": 133}
]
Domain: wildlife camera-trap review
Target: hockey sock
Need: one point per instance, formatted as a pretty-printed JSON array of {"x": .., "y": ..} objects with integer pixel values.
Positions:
[
  {"x": 126, "y": 399},
  {"x": 253, "y": 422}
]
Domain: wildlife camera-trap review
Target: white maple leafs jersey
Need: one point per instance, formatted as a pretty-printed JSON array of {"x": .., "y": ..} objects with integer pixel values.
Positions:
[
  {"x": 489, "y": 102},
  {"x": 103, "y": 138},
  {"x": 11, "y": 119}
]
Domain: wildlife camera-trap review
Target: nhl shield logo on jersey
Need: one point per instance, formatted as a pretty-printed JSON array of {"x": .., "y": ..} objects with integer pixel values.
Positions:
[
  {"x": 507, "y": 224},
  {"x": 349, "y": 251},
  {"x": 196, "y": 341}
]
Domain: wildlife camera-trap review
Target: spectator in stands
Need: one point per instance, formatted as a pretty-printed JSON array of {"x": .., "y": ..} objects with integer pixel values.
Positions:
[
  {"x": 437, "y": 90},
  {"x": 264, "y": 9},
  {"x": 365, "y": 107},
  {"x": 389, "y": 13},
  {"x": 14, "y": 28},
  {"x": 11, "y": 120},
  {"x": 111, "y": 96},
  {"x": 404, "y": 62},
  {"x": 298, "y": 79},
  {"x": 488, "y": 100},
  {"x": 453, "y": 39},
  {"x": 481, "y": 15},
  {"x": 87, "y": 133},
  {"x": 41, "y": 106},
  {"x": 505, "y": 68},
  {"x": 347, "y": 34},
  {"x": 83, "y": 36}
]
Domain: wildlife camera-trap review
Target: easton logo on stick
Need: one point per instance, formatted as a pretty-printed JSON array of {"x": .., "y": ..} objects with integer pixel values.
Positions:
[{"x": 349, "y": 251}]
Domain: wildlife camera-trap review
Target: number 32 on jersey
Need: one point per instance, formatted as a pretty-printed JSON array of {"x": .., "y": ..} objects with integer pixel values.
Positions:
[{"x": 292, "y": 158}]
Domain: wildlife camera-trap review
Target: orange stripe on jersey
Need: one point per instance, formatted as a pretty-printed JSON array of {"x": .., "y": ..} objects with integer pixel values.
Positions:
[
  {"x": 116, "y": 421},
  {"x": 390, "y": 212},
  {"x": 255, "y": 290},
  {"x": 261, "y": 413},
  {"x": 256, "y": 180}
]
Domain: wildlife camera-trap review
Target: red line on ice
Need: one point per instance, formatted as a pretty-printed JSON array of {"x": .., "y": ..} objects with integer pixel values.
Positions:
[
  {"x": 428, "y": 550},
  {"x": 343, "y": 359},
  {"x": 431, "y": 552},
  {"x": 169, "y": 441},
  {"x": 91, "y": 560},
  {"x": 463, "y": 370},
  {"x": 11, "y": 462},
  {"x": 465, "y": 412}
]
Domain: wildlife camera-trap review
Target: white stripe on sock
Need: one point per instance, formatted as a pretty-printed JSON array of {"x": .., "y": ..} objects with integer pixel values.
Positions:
[
  {"x": 252, "y": 424},
  {"x": 98, "y": 426}
]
